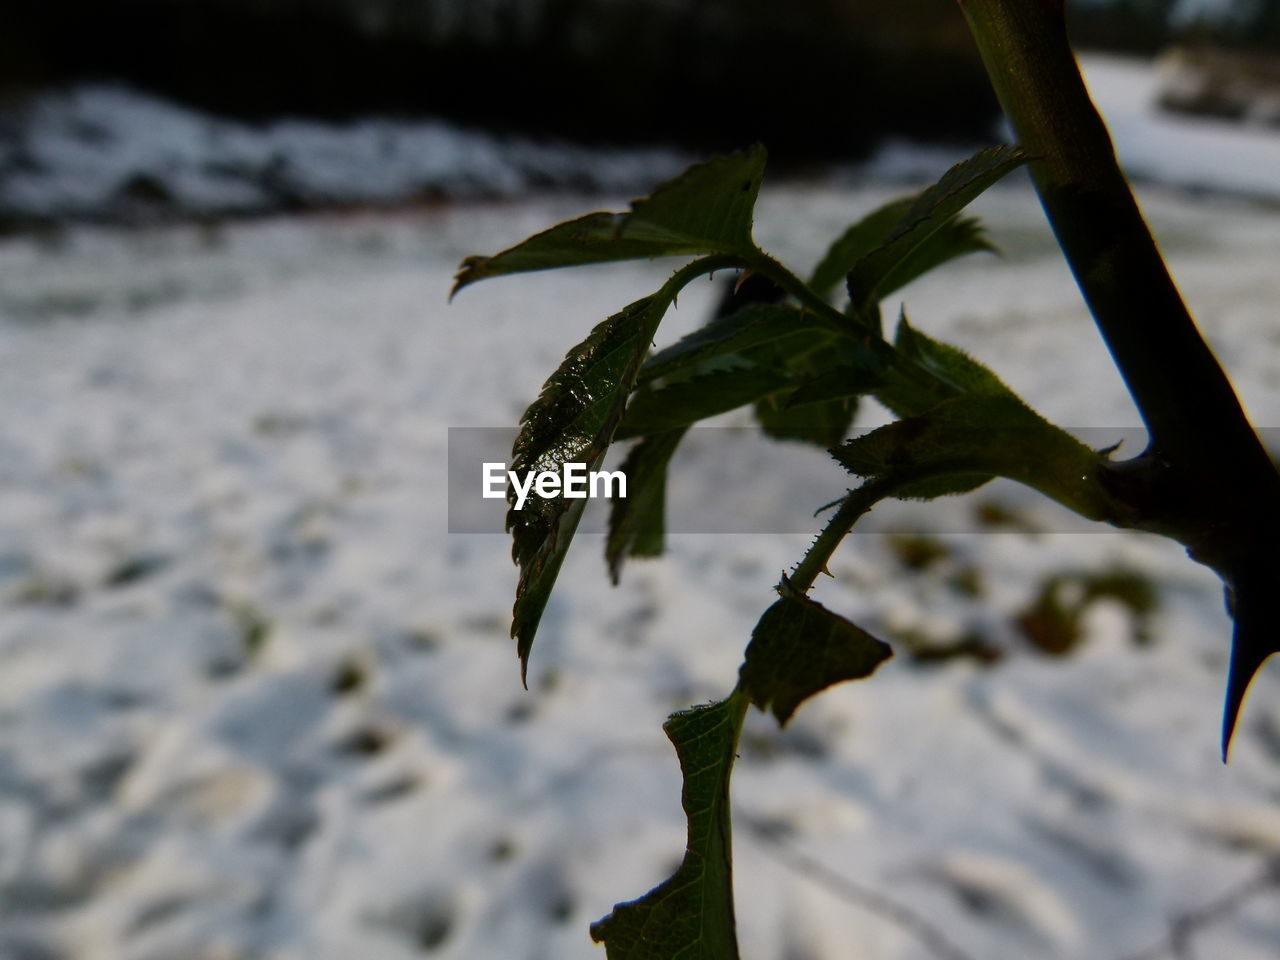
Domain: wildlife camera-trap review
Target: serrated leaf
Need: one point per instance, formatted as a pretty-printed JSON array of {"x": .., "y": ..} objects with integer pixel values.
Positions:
[
  {"x": 955, "y": 238},
  {"x": 937, "y": 372},
  {"x": 950, "y": 363},
  {"x": 594, "y": 238},
  {"x": 823, "y": 424},
  {"x": 687, "y": 401},
  {"x": 855, "y": 243},
  {"x": 573, "y": 421},
  {"x": 637, "y": 522},
  {"x": 963, "y": 441},
  {"x": 746, "y": 328},
  {"x": 802, "y": 352},
  {"x": 874, "y": 273},
  {"x": 798, "y": 649},
  {"x": 690, "y": 916},
  {"x": 822, "y": 408},
  {"x": 846, "y": 382},
  {"x": 710, "y": 205},
  {"x": 707, "y": 209}
]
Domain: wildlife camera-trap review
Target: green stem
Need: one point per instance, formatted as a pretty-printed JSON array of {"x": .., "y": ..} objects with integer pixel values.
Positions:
[
  {"x": 927, "y": 386},
  {"x": 852, "y": 507},
  {"x": 700, "y": 267},
  {"x": 767, "y": 266}
]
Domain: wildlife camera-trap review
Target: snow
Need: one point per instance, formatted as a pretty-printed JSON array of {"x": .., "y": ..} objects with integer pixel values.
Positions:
[
  {"x": 1193, "y": 154},
  {"x": 257, "y": 703},
  {"x": 107, "y": 151}
]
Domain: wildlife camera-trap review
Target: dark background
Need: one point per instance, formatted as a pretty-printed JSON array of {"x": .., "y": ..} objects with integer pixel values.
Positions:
[
  {"x": 822, "y": 77},
  {"x": 813, "y": 78}
]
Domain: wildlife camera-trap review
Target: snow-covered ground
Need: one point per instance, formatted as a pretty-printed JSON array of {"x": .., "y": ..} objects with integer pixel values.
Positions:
[
  {"x": 257, "y": 703},
  {"x": 1201, "y": 154},
  {"x": 107, "y": 153},
  {"x": 104, "y": 151}
]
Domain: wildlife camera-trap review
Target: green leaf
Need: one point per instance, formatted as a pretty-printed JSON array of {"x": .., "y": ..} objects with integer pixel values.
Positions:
[
  {"x": 855, "y": 243},
  {"x": 690, "y": 915},
  {"x": 955, "y": 238},
  {"x": 884, "y": 268},
  {"x": 707, "y": 209},
  {"x": 637, "y": 522},
  {"x": 752, "y": 326},
  {"x": 709, "y": 206},
  {"x": 935, "y": 372},
  {"x": 837, "y": 371},
  {"x": 594, "y": 238},
  {"x": 802, "y": 352},
  {"x": 573, "y": 421},
  {"x": 823, "y": 424},
  {"x": 846, "y": 382},
  {"x": 947, "y": 362},
  {"x": 687, "y": 401},
  {"x": 963, "y": 441},
  {"x": 798, "y": 649}
]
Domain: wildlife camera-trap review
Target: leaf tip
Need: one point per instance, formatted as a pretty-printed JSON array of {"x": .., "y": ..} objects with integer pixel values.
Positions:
[
  {"x": 800, "y": 648},
  {"x": 469, "y": 271},
  {"x": 524, "y": 643},
  {"x": 597, "y": 929},
  {"x": 524, "y": 669}
]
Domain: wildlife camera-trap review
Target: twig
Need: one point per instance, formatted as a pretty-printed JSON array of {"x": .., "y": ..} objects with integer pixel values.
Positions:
[
  {"x": 1184, "y": 926},
  {"x": 853, "y": 892}
]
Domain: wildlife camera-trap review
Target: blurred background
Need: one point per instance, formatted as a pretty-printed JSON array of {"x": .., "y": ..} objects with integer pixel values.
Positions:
[
  {"x": 257, "y": 703},
  {"x": 181, "y": 102}
]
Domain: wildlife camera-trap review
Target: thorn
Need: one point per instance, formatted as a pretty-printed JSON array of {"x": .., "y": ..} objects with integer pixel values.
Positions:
[
  {"x": 1245, "y": 663},
  {"x": 742, "y": 278},
  {"x": 1252, "y": 645},
  {"x": 827, "y": 506}
]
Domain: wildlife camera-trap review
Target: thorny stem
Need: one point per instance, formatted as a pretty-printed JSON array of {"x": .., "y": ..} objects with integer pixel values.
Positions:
[
  {"x": 1097, "y": 221},
  {"x": 767, "y": 266},
  {"x": 1205, "y": 479},
  {"x": 701, "y": 267},
  {"x": 852, "y": 507}
]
